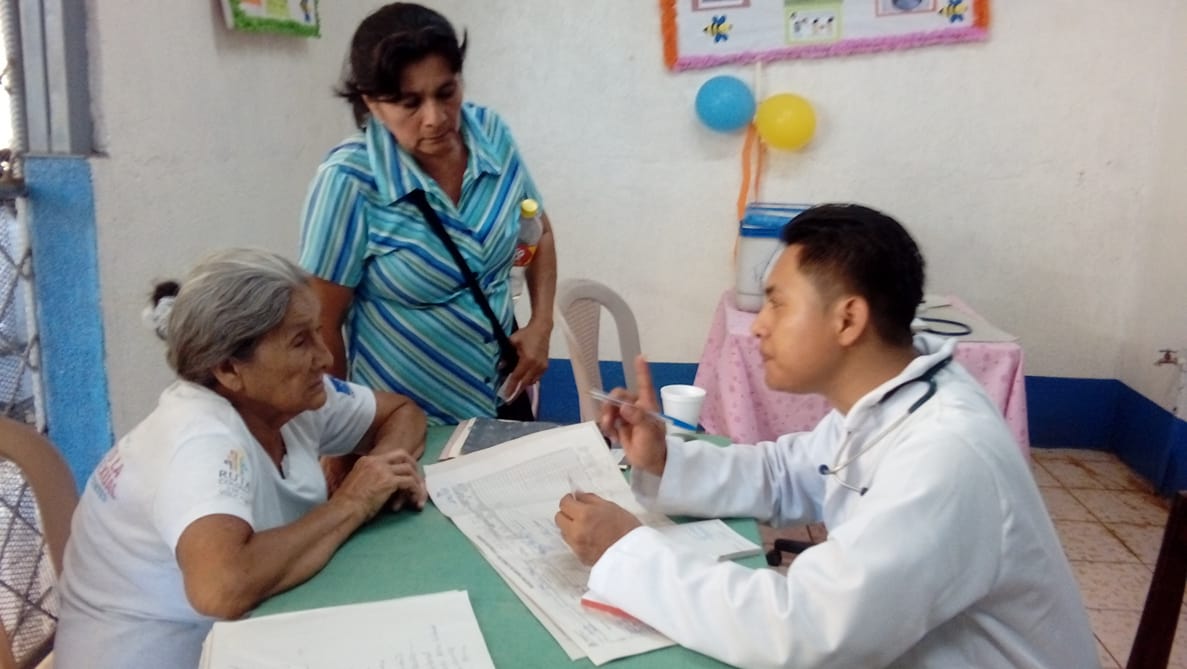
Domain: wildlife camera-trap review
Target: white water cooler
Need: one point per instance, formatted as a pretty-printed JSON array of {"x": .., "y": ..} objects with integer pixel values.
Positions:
[{"x": 758, "y": 244}]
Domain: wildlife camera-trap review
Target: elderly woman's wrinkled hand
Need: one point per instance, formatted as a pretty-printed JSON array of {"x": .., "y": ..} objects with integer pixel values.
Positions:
[{"x": 375, "y": 479}]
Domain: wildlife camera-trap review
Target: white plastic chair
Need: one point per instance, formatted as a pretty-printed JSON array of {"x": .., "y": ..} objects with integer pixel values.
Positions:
[{"x": 579, "y": 304}]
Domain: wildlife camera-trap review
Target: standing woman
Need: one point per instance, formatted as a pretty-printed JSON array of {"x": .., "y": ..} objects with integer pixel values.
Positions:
[{"x": 412, "y": 324}]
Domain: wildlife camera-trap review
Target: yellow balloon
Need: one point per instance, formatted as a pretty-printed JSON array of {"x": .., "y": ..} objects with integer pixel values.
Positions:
[{"x": 785, "y": 121}]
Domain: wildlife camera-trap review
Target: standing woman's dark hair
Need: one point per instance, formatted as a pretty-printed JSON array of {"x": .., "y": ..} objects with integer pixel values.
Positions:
[{"x": 392, "y": 38}]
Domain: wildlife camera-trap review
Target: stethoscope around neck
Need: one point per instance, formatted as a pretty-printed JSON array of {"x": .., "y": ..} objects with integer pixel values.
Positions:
[{"x": 928, "y": 377}]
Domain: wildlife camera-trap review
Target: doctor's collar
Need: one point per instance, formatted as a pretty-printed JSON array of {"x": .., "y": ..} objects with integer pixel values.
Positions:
[{"x": 932, "y": 349}]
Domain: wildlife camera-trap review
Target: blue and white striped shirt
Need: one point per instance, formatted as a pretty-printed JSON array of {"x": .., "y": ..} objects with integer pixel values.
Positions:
[{"x": 414, "y": 328}]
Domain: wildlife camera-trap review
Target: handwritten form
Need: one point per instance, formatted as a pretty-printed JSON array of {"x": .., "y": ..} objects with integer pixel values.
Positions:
[
  {"x": 504, "y": 499},
  {"x": 435, "y": 631}
]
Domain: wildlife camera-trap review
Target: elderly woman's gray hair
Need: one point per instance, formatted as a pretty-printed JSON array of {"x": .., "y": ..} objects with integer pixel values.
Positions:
[{"x": 228, "y": 302}]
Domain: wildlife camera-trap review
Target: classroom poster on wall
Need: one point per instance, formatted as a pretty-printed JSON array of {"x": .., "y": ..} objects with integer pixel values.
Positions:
[
  {"x": 289, "y": 17},
  {"x": 706, "y": 33}
]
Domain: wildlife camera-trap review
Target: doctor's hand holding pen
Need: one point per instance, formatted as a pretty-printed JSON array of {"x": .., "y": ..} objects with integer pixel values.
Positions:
[
  {"x": 632, "y": 420},
  {"x": 590, "y": 524}
]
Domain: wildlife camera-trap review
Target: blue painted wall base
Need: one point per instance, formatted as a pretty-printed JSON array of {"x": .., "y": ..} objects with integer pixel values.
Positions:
[
  {"x": 558, "y": 390},
  {"x": 1106, "y": 414}
]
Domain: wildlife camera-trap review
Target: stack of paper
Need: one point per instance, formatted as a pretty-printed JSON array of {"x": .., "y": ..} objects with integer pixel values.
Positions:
[
  {"x": 504, "y": 499},
  {"x": 437, "y": 630},
  {"x": 710, "y": 537}
]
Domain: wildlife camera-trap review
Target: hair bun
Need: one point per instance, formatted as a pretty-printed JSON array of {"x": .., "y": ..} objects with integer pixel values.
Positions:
[{"x": 155, "y": 314}]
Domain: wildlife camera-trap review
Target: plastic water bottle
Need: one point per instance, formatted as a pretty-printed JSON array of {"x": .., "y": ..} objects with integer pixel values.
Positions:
[{"x": 530, "y": 230}]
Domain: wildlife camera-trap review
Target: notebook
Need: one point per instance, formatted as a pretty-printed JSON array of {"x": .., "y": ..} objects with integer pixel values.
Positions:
[{"x": 475, "y": 434}]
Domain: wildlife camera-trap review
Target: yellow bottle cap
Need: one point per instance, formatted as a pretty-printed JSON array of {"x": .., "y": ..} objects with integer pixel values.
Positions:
[{"x": 529, "y": 208}]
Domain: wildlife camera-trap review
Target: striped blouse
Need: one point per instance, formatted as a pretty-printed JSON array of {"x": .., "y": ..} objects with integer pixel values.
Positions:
[{"x": 413, "y": 327}]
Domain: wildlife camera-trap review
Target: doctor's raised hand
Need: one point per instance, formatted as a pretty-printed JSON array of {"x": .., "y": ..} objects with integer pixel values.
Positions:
[{"x": 642, "y": 436}]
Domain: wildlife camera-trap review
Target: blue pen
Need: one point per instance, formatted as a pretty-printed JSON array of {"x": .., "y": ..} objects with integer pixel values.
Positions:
[{"x": 663, "y": 417}]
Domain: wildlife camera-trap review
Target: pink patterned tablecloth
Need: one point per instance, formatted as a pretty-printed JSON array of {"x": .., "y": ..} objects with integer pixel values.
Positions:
[{"x": 738, "y": 403}]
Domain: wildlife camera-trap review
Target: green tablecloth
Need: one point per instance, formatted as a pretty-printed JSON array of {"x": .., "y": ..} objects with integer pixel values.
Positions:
[{"x": 418, "y": 553}]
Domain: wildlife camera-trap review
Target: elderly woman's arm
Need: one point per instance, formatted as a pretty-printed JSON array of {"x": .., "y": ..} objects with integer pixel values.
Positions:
[
  {"x": 228, "y": 568},
  {"x": 399, "y": 425}
]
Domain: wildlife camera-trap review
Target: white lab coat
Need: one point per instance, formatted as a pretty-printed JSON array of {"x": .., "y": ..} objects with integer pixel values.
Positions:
[{"x": 949, "y": 560}]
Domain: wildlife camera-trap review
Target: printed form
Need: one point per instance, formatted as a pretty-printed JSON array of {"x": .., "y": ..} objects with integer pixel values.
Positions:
[
  {"x": 438, "y": 631},
  {"x": 504, "y": 500}
]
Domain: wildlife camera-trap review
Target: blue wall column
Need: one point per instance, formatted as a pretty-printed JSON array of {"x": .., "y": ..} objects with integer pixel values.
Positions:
[{"x": 61, "y": 221}]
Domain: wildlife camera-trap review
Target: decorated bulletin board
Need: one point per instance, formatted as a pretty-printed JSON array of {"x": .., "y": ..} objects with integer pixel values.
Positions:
[
  {"x": 706, "y": 33},
  {"x": 290, "y": 17}
]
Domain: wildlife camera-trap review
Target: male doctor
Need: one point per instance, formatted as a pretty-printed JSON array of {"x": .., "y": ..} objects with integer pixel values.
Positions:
[{"x": 940, "y": 553}]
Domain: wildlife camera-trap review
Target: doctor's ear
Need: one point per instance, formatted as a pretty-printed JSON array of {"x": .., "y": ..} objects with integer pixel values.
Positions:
[{"x": 851, "y": 314}]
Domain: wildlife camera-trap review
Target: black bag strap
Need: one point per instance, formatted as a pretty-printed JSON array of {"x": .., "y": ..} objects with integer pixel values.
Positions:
[{"x": 509, "y": 355}]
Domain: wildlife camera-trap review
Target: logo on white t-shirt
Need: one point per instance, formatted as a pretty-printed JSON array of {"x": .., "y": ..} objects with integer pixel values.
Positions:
[
  {"x": 234, "y": 477},
  {"x": 107, "y": 474}
]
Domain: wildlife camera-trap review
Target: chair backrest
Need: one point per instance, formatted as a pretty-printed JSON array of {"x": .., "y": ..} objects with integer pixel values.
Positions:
[
  {"x": 579, "y": 304},
  {"x": 1156, "y": 629},
  {"x": 35, "y": 484}
]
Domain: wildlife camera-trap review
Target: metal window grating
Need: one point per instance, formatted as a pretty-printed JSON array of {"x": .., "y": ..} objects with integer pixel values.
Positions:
[
  {"x": 18, "y": 346},
  {"x": 18, "y": 341},
  {"x": 28, "y": 596}
]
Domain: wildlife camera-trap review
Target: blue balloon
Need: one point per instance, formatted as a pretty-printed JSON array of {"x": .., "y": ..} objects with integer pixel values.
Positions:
[{"x": 725, "y": 104}]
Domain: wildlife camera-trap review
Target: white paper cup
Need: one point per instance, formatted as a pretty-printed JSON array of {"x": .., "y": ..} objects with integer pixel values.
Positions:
[{"x": 682, "y": 402}]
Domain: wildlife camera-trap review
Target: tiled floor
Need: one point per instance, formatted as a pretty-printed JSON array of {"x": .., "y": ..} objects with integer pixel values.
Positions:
[{"x": 1111, "y": 526}]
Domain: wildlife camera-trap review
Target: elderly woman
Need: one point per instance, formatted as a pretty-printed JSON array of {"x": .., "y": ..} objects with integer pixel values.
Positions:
[
  {"x": 216, "y": 500},
  {"x": 412, "y": 326}
]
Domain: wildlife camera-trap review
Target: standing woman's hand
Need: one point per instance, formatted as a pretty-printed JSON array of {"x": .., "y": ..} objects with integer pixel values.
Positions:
[{"x": 531, "y": 341}]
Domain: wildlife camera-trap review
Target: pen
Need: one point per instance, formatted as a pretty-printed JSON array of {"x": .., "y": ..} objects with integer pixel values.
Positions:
[
  {"x": 574, "y": 489},
  {"x": 663, "y": 417}
]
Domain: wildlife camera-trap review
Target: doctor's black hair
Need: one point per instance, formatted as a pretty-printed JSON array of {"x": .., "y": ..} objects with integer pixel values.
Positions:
[
  {"x": 389, "y": 40},
  {"x": 867, "y": 253}
]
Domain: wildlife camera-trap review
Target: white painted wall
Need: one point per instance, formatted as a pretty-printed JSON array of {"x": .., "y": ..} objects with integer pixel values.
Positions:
[
  {"x": 1026, "y": 166},
  {"x": 1157, "y": 296}
]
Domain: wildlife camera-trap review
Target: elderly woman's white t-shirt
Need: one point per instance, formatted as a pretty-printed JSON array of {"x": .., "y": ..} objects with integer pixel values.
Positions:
[{"x": 123, "y": 601}]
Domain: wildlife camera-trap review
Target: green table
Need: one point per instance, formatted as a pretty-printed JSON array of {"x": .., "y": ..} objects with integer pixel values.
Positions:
[{"x": 404, "y": 554}]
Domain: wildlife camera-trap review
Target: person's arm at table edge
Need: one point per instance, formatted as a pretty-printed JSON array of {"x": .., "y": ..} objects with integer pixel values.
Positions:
[
  {"x": 228, "y": 568},
  {"x": 399, "y": 425}
]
